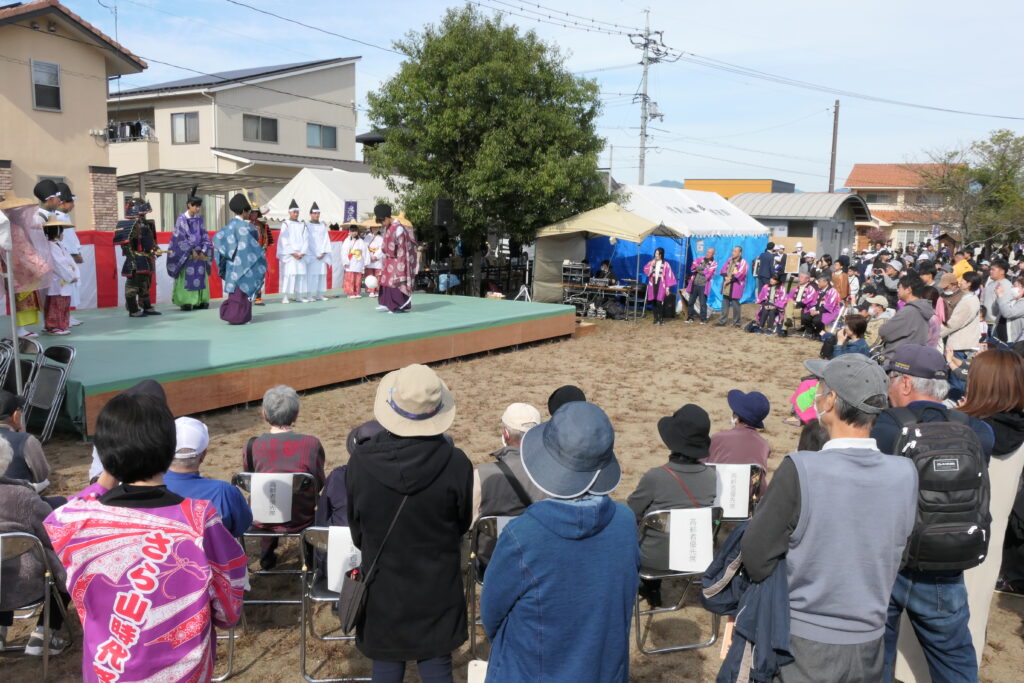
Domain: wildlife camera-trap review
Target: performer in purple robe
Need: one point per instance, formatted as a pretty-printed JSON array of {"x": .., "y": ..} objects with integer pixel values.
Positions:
[
  {"x": 825, "y": 310},
  {"x": 772, "y": 301},
  {"x": 400, "y": 262},
  {"x": 188, "y": 260}
]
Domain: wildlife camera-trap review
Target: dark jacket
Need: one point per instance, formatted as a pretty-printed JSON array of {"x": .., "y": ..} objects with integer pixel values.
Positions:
[
  {"x": 332, "y": 510},
  {"x": 416, "y": 608},
  {"x": 22, "y": 510},
  {"x": 760, "y": 645},
  {"x": 497, "y": 497},
  {"x": 764, "y": 266},
  {"x": 1008, "y": 429}
]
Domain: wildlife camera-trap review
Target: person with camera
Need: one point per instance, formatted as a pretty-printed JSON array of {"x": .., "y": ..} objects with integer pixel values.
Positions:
[{"x": 189, "y": 255}]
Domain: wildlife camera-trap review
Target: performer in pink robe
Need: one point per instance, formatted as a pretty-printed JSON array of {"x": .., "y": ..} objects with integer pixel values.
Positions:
[
  {"x": 772, "y": 305},
  {"x": 400, "y": 263},
  {"x": 660, "y": 279}
]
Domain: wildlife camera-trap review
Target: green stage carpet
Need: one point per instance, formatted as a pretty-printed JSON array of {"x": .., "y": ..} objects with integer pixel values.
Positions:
[{"x": 115, "y": 351}]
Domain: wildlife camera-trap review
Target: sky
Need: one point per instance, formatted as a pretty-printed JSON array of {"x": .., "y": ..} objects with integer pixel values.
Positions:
[{"x": 717, "y": 124}]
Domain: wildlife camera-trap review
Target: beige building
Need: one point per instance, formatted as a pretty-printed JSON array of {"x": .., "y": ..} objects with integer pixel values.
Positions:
[
  {"x": 268, "y": 121},
  {"x": 53, "y": 105},
  {"x": 899, "y": 199}
]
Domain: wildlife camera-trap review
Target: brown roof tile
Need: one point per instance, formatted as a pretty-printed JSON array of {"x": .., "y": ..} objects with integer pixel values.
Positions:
[
  {"x": 13, "y": 13},
  {"x": 887, "y": 175}
]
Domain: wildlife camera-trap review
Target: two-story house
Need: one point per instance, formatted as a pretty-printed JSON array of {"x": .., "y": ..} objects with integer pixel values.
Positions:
[
  {"x": 266, "y": 121},
  {"x": 53, "y": 105},
  {"x": 899, "y": 198}
]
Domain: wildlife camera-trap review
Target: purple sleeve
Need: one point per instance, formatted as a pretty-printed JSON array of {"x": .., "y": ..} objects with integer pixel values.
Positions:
[{"x": 228, "y": 565}]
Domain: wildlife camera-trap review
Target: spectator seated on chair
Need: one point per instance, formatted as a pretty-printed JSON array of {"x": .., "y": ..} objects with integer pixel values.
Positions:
[
  {"x": 494, "y": 494},
  {"x": 151, "y": 573},
  {"x": 146, "y": 386},
  {"x": 742, "y": 445},
  {"x": 283, "y": 450},
  {"x": 28, "y": 462},
  {"x": 684, "y": 482},
  {"x": 183, "y": 477},
  {"x": 561, "y": 585},
  {"x": 22, "y": 510},
  {"x": 562, "y": 395}
]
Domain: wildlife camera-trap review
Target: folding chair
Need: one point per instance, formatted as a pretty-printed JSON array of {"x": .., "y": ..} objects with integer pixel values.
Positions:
[
  {"x": 659, "y": 520},
  {"x": 30, "y": 355},
  {"x": 230, "y": 637},
  {"x": 315, "y": 590},
  {"x": 301, "y": 481},
  {"x": 6, "y": 356},
  {"x": 12, "y": 546},
  {"x": 47, "y": 389},
  {"x": 488, "y": 528}
]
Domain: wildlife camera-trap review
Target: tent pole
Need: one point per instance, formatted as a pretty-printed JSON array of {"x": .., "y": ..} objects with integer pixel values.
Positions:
[
  {"x": 12, "y": 303},
  {"x": 635, "y": 305}
]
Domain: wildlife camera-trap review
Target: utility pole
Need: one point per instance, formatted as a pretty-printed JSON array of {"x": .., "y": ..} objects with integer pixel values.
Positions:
[
  {"x": 644, "y": 100},
  {"x": 611, "y": 153},
  {"x": 835, "y": 140}
]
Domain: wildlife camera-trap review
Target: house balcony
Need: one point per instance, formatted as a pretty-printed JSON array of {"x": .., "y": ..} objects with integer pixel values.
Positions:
[{"x": 134, "y": 156}]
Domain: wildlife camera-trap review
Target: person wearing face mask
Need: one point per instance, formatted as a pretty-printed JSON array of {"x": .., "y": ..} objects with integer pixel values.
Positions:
[
  {"x": 742, "y": 445},
  {"x": 502, "y": 487},
  {"x": 878, "y": 313},
  {"x": 960, "y": 331},
  {"x": 1011, "y": 309}
]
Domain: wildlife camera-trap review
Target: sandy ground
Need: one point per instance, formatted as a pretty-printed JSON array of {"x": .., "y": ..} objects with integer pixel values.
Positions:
[{"x": 637, "y": 373}]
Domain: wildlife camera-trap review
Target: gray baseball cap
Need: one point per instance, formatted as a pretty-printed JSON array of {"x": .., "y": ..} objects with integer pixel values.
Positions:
[
  {"x": 854, "y": 377},
  {"x": 918, "y": 360}
]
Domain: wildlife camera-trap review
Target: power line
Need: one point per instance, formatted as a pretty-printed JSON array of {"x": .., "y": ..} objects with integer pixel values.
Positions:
[
  {"x": 562, "y": 24},
  {"x": 740, "y": 163},
  {"x": 315, "y": 28},
  {"x": 567, "y": 14},
  {"x": 761, "y": 130},
  {"x": 711, "y": 63}
]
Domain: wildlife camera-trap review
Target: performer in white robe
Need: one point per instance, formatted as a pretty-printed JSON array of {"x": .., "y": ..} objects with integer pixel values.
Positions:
[
  {"x": 292, "y": 247},
  {"x": 374, "y": 257},
  {"x": 318, "y": 256},
  {"x": 70, "y": 241}
]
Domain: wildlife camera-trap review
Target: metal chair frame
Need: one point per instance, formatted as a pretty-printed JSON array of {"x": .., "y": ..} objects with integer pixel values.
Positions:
[
  {"x": 492, "y": 525},
  {"x": 6, "y": 356},
  {"x": 13, "y": 545},
  {"x": 315, "y": 590},
  {"x": 55, "y": 366},
  {"x": 300, "y": 481},
  {"x": 659, "y": 520}
]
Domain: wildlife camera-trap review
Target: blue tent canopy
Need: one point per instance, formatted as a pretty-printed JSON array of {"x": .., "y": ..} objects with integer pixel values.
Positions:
[{"x": 680, "y": 252}]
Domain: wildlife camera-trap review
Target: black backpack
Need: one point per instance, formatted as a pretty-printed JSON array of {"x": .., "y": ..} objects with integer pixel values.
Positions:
[{"x": 951, "y": 532}]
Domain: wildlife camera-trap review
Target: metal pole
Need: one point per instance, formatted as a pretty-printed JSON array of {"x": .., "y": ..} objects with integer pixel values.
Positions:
[
  {"x": 643, "y": 97},
  {"x": 12, "y": 299},
  {"x": 835, "y": 140},
  {"x": 637, "y": 293},
  {"x": 611, "y": 153}
]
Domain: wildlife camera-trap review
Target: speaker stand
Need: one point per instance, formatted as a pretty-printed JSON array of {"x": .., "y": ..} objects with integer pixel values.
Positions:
[{"x": 523, "y": 295}]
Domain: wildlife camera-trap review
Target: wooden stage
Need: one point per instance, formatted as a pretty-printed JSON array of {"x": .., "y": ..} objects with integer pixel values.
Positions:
[{"x": 204, "y": 364}]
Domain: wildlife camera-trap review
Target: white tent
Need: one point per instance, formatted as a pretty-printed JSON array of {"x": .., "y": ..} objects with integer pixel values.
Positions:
[
  {"x": 691, "y": 213},
  {"x": 330, "y": 189}
]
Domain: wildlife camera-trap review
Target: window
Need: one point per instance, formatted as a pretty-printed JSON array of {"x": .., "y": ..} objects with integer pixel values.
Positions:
[
  {"x": 905, "y": 237},
  {"x": 55, "y": 178},
  {"x": 259, "y": 128},
  {"x": 46, "y": 85},
  {"x": 801, "y": 229},
  {"x": 878, "y": 198},
  {"x": 185, "y": 128},
  {"x": 321, "y": 137}
]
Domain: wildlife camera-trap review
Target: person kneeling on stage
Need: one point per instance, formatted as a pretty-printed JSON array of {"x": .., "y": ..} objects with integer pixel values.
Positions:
[
  {"x": 772, "y": 302},
  {"x": 400, "y": 262}
]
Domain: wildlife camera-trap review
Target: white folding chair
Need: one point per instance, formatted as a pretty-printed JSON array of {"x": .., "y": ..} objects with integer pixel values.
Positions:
[
  {"x": 13, "y": 545},
  {"x": 315, "y": 590},
  {"x": 486, "y": 529},
  {"x": 300, "y": 481},
  {"x": 660, "y": 521}
]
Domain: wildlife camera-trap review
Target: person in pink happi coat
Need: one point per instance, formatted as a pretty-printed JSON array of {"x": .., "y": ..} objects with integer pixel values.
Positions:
[
  {"x": 734, "y": 281},
  {"x": 660, "y": 279}
]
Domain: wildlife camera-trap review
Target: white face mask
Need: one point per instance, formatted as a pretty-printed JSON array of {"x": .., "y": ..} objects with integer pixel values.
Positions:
[{"x": 734, "y": 420}]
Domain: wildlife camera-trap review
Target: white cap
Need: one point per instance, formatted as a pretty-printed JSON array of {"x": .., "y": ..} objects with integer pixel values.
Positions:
[
  {"x": 799, "y": 245},
  {"x": 520, "y": 417},
  {"x": 192, "y": 437},
  {"x": 810, "y": 253}
]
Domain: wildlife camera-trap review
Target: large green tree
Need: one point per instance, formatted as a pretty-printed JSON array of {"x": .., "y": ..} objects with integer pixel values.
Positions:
[{"x": 490, "y": 117}]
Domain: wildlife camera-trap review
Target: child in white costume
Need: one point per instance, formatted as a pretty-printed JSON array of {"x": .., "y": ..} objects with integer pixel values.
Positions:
[{"x": 353, "y": 261}]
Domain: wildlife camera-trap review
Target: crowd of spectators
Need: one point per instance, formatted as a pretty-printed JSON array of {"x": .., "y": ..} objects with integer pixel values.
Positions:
[{"x": 829, "y": 534}]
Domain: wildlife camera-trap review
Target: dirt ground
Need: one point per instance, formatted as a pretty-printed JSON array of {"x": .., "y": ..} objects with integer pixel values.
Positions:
[{"x": 636, "y": 372}]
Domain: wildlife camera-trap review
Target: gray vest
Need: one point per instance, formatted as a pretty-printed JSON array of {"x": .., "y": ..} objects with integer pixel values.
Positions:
[
  {"x": 497, "y": 497},
  {"x": 18, "y": 469},
  {"x": 857, "y": 509}
]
